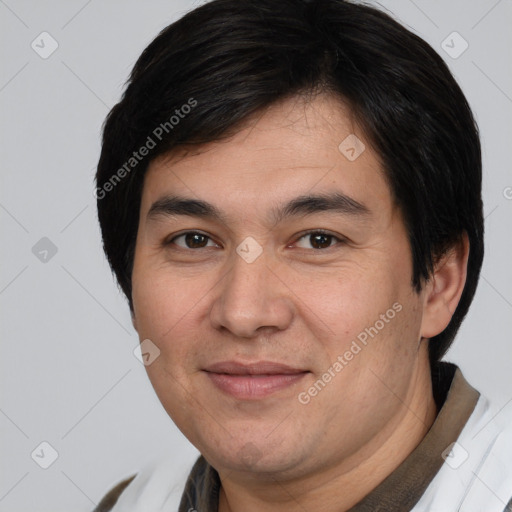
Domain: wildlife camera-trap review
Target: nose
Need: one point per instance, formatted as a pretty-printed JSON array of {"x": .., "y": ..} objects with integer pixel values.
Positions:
[{"x": 251, "y": 298}]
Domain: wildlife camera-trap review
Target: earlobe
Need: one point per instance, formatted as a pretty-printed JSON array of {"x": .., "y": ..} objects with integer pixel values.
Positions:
[{"x": 445, "y": 288}]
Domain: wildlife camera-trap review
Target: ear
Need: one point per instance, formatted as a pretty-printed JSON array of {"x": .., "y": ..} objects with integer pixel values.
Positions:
[
  {"x": 134, "y": 320},
  {"x": 444, "y": 289}
]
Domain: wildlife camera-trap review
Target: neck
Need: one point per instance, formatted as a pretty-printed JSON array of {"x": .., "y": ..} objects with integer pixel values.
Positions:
[{"x": 338, "y": 488}]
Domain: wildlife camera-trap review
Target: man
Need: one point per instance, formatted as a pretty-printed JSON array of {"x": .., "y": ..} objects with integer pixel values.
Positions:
[{"x": 290, "y": 197}]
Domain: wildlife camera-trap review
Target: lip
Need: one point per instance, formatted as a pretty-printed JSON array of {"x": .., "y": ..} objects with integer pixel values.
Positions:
[{"x": 247, "y": 381}]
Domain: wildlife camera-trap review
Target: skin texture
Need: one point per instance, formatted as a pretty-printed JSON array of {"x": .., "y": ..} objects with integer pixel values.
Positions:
[{"x": 295, "y": 304}]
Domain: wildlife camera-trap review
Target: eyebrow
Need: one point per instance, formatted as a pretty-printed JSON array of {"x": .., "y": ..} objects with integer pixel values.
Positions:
[
  {"x": 171, "y": 206},
  {"x": 311, "y": 204}
]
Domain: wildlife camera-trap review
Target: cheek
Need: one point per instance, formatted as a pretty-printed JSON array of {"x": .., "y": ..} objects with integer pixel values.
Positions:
[
  {"x": 161, "y": 301},
  {"x": 164, "y": 313},
  {"x": 371, "y": 320},
  {"x": 352, "y": 303}
]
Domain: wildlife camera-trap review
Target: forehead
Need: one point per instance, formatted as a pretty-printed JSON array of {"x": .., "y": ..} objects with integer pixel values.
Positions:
[{"x": 291, "y": 149}]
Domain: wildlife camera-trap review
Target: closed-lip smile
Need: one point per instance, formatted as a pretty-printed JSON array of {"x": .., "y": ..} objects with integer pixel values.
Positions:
[{"x": 255, "y": 380}]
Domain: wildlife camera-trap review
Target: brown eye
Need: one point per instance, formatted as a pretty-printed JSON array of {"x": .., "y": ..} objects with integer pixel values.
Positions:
[
  {"x": 195, "y": 240},
  {"x": 320, "y": 241},
  {"x": 192, "y": 240},
  {"x": 317, "y": 240}
]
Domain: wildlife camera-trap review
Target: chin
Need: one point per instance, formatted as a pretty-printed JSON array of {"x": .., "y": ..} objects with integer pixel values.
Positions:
[{"x": 254, "y": 457}]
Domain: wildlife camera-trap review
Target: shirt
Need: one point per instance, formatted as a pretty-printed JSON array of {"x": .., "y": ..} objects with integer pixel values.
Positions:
[{"x": 463, "y": 464}]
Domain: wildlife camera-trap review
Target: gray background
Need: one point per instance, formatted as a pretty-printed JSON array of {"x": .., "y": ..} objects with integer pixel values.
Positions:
[{"x": 69, "y": 376}]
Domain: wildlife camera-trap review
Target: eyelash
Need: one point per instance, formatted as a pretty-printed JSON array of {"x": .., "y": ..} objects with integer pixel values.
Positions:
[
  {"x": 303, "y": 235},
  {"x": 338, "y": 239}
]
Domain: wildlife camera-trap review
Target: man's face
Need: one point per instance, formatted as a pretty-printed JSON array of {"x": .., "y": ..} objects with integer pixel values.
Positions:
[{"x": 252, "y": 307}]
